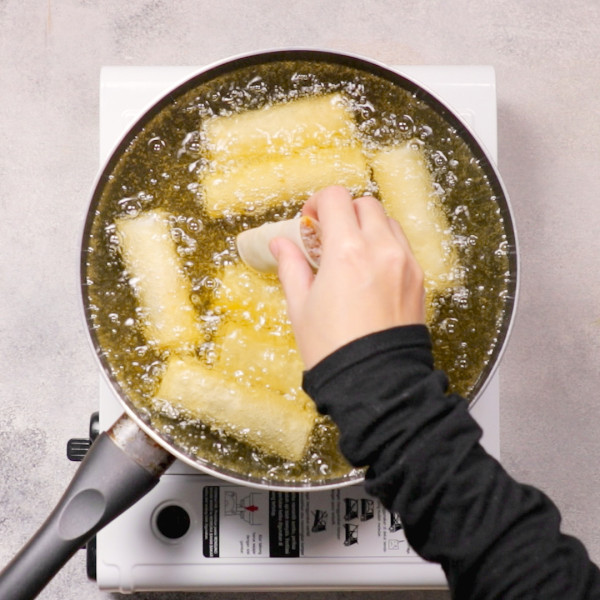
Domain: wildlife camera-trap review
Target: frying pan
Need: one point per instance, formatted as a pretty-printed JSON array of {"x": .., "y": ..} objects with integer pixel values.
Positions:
[{"x": 126, "y": 462}]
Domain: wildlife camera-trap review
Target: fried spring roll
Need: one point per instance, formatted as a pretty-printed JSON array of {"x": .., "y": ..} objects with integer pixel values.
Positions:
[
  {"x": 245, "y": 295},
  {"x": 259, "y": 185},
  {"x": 260, "y": 417},
  {"x": 253, "y": 244},
  {"x": 261, "y": 358},
  {"x": 320, "y": 121},
  {"x": 408, "y": 195},
  {"x": 158, "y": 280}
]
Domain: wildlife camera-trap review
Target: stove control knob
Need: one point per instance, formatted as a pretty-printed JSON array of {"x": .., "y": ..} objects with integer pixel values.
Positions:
[{"x": 77, "y": 447}]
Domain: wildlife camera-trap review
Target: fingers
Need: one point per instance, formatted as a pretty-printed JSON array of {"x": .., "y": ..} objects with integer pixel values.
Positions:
[
  {"x": 372, "y": 220},
  {"x": 375, "y": 223},
  {"x": 337, "y": 211},
  {"x": 398, "y": 233},
  {"x": 311, "y": 206},
  {"x": 334, "y": 209},
  {"x": 294, "y": 272},
  {"x": 341, "y": 217}
]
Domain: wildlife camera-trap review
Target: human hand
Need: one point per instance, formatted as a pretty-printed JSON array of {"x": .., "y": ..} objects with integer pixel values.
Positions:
[{"x": 368, "y": 279}]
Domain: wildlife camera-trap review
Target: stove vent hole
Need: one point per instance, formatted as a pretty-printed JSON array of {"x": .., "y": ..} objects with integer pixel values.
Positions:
[{"x": 172, "y": 522}]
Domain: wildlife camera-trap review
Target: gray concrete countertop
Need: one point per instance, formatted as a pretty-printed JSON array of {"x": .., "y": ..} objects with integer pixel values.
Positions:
[{"x": 545, "y": 56}]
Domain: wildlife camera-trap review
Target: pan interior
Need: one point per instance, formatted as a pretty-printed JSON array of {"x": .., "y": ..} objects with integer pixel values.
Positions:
[{"x": 157, "y": 166}]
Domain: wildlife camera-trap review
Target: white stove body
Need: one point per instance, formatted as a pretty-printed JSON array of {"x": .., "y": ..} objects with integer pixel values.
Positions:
[{"x": 244, "y": 539}]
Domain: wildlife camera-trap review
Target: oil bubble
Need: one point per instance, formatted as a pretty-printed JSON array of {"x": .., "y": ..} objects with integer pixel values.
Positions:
[
  {"x": 425, "y": 131},
  {"x": 451, "y": 179},
  {"x": 156, "y": 144},
  {"x": 194, "y": 225},
  {"x": 449, "y": 325},
  {"x": 439, "y": 158}
]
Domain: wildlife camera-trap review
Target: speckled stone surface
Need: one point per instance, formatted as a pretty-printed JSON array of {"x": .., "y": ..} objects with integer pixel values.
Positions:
[{"x": 545, "y": 55}]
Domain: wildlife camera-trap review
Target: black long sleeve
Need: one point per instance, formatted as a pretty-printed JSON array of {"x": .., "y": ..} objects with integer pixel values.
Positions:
[{"x": 494, "y": 537}]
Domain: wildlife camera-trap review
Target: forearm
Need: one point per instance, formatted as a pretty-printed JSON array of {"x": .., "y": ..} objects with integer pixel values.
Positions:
[{"x": 493, "y": 537}]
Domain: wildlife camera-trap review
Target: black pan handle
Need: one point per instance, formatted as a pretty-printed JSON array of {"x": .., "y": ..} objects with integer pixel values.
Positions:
[{"x": 121, "y": 466}]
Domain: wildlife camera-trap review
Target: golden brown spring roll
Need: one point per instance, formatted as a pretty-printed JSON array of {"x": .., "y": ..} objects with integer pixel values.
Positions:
[
  {"x": 260, "y": 357},
  {"x": 407, "y": 191},
  {"x": 260, "y": 417},
  {"x": 247, "y": 295},
  {"x": 158, "y": 280},
  {"x": 315, "y": 121},
  {"x": 255, "y": 186}
]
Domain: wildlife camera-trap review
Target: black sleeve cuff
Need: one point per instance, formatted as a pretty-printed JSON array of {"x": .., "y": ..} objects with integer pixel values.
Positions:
[{"x": 353, "y": 362}]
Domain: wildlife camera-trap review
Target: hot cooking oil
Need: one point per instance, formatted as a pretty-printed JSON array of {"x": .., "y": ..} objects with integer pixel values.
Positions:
[{"x": 162, "y": 168}]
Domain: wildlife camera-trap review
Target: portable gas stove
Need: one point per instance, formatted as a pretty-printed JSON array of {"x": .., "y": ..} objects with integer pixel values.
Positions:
[{"x": 195, "y": 532}]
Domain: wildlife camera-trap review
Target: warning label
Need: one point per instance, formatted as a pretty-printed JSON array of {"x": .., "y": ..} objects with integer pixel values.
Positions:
[
  {"x": 241, "y": 522},
  {"x": 284, "y": 524},
  {"x": 210, "y": 521}
]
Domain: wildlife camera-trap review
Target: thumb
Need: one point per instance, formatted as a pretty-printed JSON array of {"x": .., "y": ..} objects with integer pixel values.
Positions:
[{"x": 295, "y": 274}]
